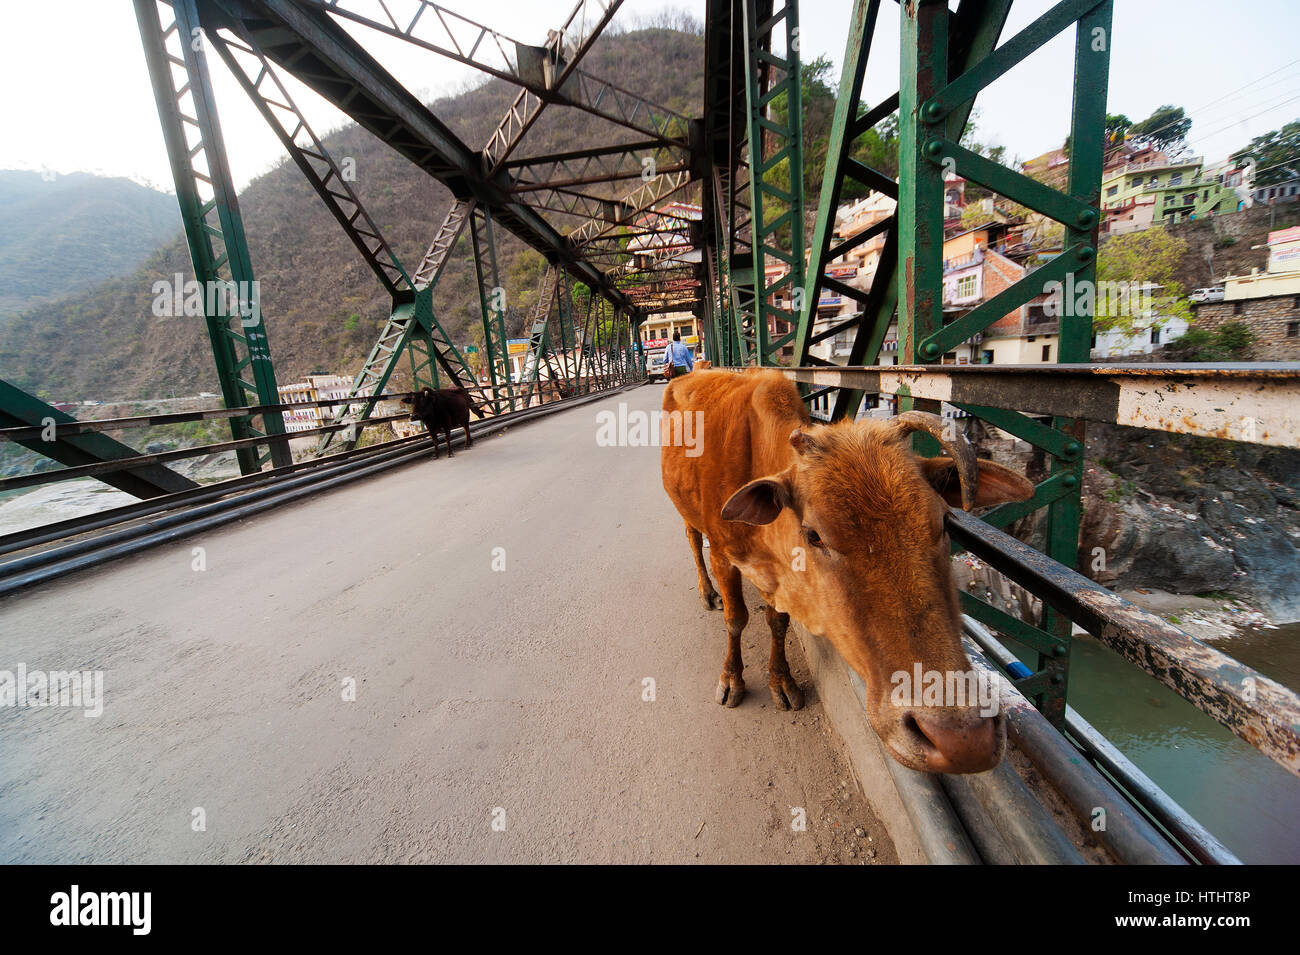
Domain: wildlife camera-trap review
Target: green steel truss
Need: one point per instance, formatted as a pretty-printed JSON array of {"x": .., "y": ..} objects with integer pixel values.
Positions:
[
  {"x": 177, "y": 62},
  {"x": 775, "y": 153},
  {"x": 492, "y": 301},
  {"x": 750, "y": 165},
  {"x": 18, "y": 409},
  {"x": 946, "y": 59},
  {"x": 412, "y": 325},
  {"x": 249, "y": 37}
]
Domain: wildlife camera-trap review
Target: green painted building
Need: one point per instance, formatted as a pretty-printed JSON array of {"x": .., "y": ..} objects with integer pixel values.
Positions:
[{"x": 1163, "y": 191}]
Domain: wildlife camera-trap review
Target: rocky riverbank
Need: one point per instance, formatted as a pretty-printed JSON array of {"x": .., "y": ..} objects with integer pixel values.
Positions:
[
  {"x": 1193, "y": 516},
  {"x": 1212, "y": 525}
]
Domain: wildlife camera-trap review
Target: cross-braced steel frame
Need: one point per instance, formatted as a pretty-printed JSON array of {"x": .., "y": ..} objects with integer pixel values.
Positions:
[{"x": 261, "y": 42}]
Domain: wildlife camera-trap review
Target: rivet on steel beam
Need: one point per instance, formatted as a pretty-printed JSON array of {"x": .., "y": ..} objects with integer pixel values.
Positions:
[
  {"x": 1069, "y": 480},
  {"x": 1086, "y": 253},
  {"x": 1058, "y": 650},
  {"x": 930, "y": 350},
  {"x": 1086, "y": 219},
  {"x": 934, "y": 149},
  {"x": 1057, "y": 679},
  {"x": 1072, "y": 449},
  {"x": 932, "y": 112}
]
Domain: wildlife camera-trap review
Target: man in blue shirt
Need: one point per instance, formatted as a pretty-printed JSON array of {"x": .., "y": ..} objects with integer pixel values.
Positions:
[{"x": 677, "y": 356}]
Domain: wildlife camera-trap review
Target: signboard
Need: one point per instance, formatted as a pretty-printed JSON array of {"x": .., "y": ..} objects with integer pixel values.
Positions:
[{"x": 663, "y": 342}]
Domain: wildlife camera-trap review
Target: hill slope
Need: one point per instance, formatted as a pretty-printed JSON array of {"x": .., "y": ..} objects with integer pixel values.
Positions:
[
  {"x": 322, "y": 305},
  {"x": 73, "y": 231}
]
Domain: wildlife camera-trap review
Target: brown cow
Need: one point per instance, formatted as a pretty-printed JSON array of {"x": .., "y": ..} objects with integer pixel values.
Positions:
[{"x": 842, "y": 527}]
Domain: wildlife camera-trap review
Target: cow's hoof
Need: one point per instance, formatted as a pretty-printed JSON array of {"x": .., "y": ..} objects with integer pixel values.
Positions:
[
  {"x": 711, "y": 600},
  {"x": 786, "y": 693},
  {"x": 731, "y": 690}
]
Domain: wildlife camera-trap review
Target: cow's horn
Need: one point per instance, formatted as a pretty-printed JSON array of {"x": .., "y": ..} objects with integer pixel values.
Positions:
[{"x": 953, "y": 442}]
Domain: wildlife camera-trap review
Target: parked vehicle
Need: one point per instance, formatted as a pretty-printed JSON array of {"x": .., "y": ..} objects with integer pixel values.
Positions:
[
  {"x": 1212, "y": 294},
  {"x": 654, "y": 364}
]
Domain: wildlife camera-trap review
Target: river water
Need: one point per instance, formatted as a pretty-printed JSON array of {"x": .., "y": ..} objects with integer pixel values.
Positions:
[{"x": 1250, "y": 803}]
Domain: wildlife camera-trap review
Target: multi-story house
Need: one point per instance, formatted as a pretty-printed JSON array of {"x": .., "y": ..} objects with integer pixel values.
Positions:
[
  {"x": 1151, "y": 188},
  {"x": 313, "y": 388}
]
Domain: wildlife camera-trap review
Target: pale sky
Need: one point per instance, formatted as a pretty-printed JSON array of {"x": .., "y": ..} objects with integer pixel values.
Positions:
[{"x": 79, "y": 97}]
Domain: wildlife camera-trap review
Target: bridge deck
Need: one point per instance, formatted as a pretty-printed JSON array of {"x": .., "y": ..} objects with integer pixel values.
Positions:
[{"x": 476, "y": 688}]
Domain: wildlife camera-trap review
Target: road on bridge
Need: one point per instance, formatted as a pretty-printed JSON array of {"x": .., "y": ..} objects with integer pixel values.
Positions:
[{"x": 482, "y": 693}]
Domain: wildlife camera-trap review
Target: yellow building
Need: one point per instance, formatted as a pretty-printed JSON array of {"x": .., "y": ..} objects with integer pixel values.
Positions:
[
  {"x": 657, "y": 327},
  {"x": 1281, "y": 277}
]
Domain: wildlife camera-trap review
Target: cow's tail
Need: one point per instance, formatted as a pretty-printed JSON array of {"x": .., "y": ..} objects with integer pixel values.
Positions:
[{"x": 475, "y": 405}]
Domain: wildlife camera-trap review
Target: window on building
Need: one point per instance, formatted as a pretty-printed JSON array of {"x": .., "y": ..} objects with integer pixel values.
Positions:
[
  {"x": 1032, "y": 337},
  {"x": 1047, "y": 353},
  {"x": 1236, "y": 308},
  {"x": 966, "y": 286},
  {"x": 1155, "y": 336},
  {"x": 1135, "y": 182},
  {"x": 1094, "y": 341},
  {"x": 1293, "y": 329},
  {"x": 1176, "y": 180},
  {"x": 986, "y": 356},
  {"x": 1112, "y": 190},
  {"x": 1295, "y": 302},
  {"x": 1189, "y": 198}
]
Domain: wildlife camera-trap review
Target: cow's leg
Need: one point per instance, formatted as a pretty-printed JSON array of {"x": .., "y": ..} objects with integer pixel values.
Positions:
[
  {"x": 446, "y": 433},
  {"x": 731, "y": 684},
  {"x": 708, "y": 596},
  {"x": 433, "y": 433},
  {"x": 785, "y": 691},
  {"x": 469, "y": 438}
]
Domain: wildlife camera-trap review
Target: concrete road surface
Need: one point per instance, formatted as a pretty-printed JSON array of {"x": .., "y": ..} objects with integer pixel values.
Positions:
[{"x": 498, "y": 614}]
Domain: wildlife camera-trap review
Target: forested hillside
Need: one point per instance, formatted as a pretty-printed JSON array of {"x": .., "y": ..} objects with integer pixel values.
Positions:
[{"x": 62, "y": 232}]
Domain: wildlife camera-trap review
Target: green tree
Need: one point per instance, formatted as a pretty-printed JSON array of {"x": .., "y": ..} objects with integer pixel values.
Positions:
[
  {"x": 1228, "y": 342},
  {"x": 877, "y": 148},
  {"x": 1276, "y": 154},
  {"x": 1165, "y": 129},
  {"x": 1147, "y": 258}
]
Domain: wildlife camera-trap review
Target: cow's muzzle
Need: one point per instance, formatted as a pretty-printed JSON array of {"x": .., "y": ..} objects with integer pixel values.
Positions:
[{"x": 948, "y": 739}]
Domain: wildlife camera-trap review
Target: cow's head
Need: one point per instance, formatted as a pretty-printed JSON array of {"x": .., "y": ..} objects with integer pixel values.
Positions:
[
  {"x": 420, "y": 403},
  {"x": 859, "y": 522}
]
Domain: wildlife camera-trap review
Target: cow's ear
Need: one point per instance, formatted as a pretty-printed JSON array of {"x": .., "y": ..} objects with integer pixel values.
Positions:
[
  {"x": 997, "y": 484},
  {"x": 759, "y": 502}
]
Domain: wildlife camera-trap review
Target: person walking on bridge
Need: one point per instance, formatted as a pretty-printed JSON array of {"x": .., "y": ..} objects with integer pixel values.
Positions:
[{"x": 678, "y": 359}]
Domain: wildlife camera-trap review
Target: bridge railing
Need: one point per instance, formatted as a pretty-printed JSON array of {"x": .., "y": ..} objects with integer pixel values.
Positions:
[
  {"x": 1247, "y": 402},
  {"x": 552, "y": 391}
]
